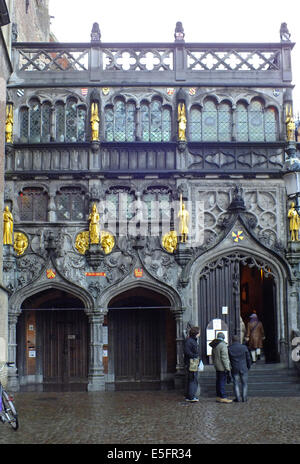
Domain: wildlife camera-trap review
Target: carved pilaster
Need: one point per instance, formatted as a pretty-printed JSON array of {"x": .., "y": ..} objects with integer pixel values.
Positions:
[
  {"x": 96, "y": 374},
  {"x": 179, "y": 376},
  {"x": 13, "y": 381}
]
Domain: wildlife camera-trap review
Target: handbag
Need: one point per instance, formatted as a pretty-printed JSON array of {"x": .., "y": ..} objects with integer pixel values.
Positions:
[{"x": 194, "y": 363}]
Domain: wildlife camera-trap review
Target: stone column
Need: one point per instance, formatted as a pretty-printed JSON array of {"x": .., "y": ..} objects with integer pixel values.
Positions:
[
  {"x": 13, "y": 379},
  {"x": 96, "y": 373},
  {"x": 180, "y": 372}
]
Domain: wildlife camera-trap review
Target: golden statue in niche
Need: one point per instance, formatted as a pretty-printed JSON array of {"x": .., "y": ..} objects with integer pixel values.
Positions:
[
  {"x": 169, "y": 241},
  {"x": 9, "y": 124},
  {"x": 294, "y": 220},
  {"x": 20, "y": 243},
  {"x": 94, "y": 228},
  {"x": 183, "y": 221},
  {"x": 95, "y": 122},
  {"x": 8, "y": 225},
  {"x": 181, "y": 122},
  {"x": 290, "y": 125},
  {"x": 82, "y": 242}
]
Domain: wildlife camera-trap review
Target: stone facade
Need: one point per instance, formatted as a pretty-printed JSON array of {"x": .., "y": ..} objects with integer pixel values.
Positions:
[{"x": 226, "y": 166}]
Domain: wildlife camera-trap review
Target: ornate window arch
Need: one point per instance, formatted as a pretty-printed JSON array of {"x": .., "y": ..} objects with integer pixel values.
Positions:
[
  {"x": 256, "y": 121},
  {"x": 71, "y": 203},
  {"x": 120, "y": 121},
  {"x": 224, "y": 122},
  {"x": 271, "y": 124},
  {"x": 209, "y": 121},
  {"x": 33, "y": 204},
  {"x": 242, "y": 124},
  {"x": 155, "y": 122},
  {"x": 195, "y": 124}
]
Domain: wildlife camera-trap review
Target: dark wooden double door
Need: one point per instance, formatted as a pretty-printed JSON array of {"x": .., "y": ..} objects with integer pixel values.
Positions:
[
  {"x": 64, "y": 346},
  {"x": 137, "y": 340}
]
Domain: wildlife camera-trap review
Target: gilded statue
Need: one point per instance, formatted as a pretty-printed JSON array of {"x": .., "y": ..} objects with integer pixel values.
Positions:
[
  {"x": 95, "y": 122},
  {"x": 183, "y": 221},
  {"x": 169, "y": 241},
  {"x": 107, "y": 241},
  {"x": 94, "y": 227},
  {"x": 294, "y": 220},
  {"x": 8, "y": 225},
  {"x": 181, "y": 122},
  {"x": 290, "y": 126},
  {"x": 82, "y": 242},
  {"x": 9, "y": 124},
  {"x": 20, "y": 243}
]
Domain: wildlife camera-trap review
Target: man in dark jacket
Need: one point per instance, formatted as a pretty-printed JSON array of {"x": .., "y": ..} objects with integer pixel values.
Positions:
[
  {"x": 191, "y": 351},
  {"x": 240, "y": 364}
]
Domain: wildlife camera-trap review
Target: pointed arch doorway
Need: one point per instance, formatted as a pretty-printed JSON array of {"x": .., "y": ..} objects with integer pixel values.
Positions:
[
  {"x": 141, "y": 340},
  {"x": 52, "y": 341},
  {"x": 234, "y": 286}
]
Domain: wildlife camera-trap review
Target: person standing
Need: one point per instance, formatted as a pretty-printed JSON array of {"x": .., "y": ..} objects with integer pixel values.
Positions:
[
  {"x": 240, "y": 364},
  {"x": 255, "y": 336},
  {"x": 222, "y": 365},
  {"x": 192, "y": 359}
]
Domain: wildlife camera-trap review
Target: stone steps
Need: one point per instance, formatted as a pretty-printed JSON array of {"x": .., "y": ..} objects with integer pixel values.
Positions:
[{"x": 264, "y": 380}]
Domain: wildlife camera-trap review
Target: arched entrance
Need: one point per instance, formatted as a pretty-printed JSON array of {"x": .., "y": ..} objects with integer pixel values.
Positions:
[
  {"x": 141, "y": 340},
  {"x": 52, "y": 341},
  {"x": 233, "y": 286}
]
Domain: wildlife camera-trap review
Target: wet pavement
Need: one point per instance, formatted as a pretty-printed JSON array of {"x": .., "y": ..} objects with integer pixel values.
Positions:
[{"x": 161, "y": 417}]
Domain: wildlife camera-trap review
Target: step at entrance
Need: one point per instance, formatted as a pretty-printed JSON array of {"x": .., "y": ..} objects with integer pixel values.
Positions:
[{"x": 264, "y": 380}]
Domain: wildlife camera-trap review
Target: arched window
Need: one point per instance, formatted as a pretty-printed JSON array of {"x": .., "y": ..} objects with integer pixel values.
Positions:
[
  {"x": 24, "y": 124},
  {"x": 195, "y": 125},
  {"x": 46, "y": 122},
  {"x": 155, "y": 122},
  {"x": 59, "y": 121},
  {"x": 224, "y": 122},
  {"x": 33, "y": 204},
  {"x": 209, "y": 121},
  {"x": 34, "y": 120},
  {"x": 70, "y": 121},
  {"x": 70, "y": 204},
  {"x": 242, "y": 132},
  {"x": 271, "y": 124},
  {"x": 256, "y": 121},
  {"x": 120, "y": 122}
]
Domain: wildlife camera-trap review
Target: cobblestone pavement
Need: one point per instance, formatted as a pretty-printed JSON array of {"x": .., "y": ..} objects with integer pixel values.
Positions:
[{"x": 150, "y": 418}]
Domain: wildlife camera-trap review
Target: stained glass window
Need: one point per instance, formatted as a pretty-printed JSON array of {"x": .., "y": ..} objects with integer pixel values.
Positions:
[
  {"x": 70, "y": 204},
  {"x": 155, "y": 122},
  {"x": 71, "y": 120},
  {"x": 24, "y": 120},
  {"x": 119, "y": 121},
  {"x": 209, "y": 121},
  {"x": 35, "y": 121},
  {"x": 224, "y": 122},
  {"x": 46, "y": 122},
  {"x": 130, "y": 122},
  {"x": 270, "y": 125},
  {"x": 145, "y": 123},
  {"x": 242, "y": 134},
  {"x": 81, "y": 118},
  {"x": 60, "y": 121},
  {"x": 166, "y": 125},
  {"x": 256, "y": 122},
  {"x": 195, "y": 125},
  {"x": 109, "y": 124},
  {"x": 32, "y": 203}
]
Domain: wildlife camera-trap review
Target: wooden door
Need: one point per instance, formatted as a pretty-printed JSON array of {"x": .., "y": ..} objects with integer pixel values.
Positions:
[
  {"x": 136, "y": 344},
  {"x": 64, "y": 340},
  {"x": 219, "y": 288}
]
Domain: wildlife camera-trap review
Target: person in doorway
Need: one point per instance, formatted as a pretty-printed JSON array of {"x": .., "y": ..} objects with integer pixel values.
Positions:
[
  {"x": 242, "y": 330},
  {"x": 191, "y": 352},
  {"x": 240, "y": 364},
  {"x": 222, "y": 365},
  {"x": 255, "y": 336}
]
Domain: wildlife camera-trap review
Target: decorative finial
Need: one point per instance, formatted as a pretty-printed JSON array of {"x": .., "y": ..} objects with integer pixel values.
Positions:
[
  {"x": 96, "y": 34},
  {"x": 179, "y": 32},
  {"x": 285, "y": 36}
]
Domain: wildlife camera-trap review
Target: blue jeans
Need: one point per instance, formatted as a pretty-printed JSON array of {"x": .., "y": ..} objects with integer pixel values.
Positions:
[
  {"x": 192, "y": 385},
  {"x": 220, "y": 384},
  {"x": 243, "y": 377}
]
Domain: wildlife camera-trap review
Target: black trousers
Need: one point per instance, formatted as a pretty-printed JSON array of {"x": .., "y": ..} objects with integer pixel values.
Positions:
[{"x": 192, "y": 385}]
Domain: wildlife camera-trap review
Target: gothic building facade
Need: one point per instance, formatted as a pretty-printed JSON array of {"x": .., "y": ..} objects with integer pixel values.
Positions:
[{"x": 145, "y": 186}]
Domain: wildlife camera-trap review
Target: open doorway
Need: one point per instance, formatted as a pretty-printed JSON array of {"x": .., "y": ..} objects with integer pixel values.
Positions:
[
  {"x": 52, "y": 334},
  {"x": 142, "y": 341},
  {"x": 258, "y": 293}
]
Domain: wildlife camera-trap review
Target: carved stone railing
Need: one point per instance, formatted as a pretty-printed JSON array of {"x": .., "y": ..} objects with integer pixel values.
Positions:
[{"x": 264, "y": 64}]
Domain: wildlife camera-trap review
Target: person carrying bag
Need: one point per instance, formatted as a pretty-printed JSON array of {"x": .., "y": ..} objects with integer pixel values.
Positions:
[{"x": 192, "y": 359}]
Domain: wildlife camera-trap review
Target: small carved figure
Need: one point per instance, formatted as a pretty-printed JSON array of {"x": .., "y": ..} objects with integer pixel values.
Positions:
[
  {"x": 290, "y": 126},
  {"x": 20, "y": 243},
  {"x": 169, "y": 241},
  {"x": 82, "y": 242},
  {"x": 183, "y": 221},
  {"x": 294, "y": 223},
  {"x": 95, "y": 122},
  {"x": 181, "y": 122},
  {"x": 8, "y": 224},
  {"x": 284, "y": 32},
  {"x": 9, "y": 124},
  {"x": 107, "y": 242},
  {"x": 94, "y": 228}
]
